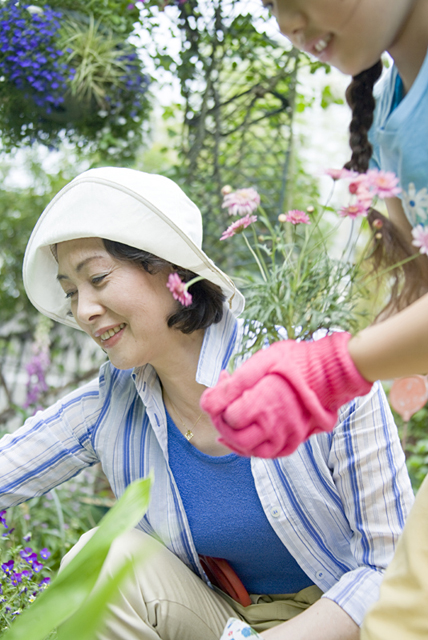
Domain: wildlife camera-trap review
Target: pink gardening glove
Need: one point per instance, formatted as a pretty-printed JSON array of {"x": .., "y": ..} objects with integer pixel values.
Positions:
[{"x": 284, "y": 394}]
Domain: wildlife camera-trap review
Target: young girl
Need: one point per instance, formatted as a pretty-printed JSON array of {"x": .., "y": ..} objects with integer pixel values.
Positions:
[{"x": 303, "y": 385}]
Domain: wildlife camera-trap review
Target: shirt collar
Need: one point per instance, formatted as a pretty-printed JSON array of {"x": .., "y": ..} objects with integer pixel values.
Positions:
[{"x": 217, "y": 347}]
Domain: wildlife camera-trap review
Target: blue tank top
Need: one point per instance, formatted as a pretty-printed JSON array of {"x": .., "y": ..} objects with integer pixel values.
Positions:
[{"x": 227, "y": 520}]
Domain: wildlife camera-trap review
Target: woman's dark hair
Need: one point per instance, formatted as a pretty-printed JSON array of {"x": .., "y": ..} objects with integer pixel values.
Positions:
[
  {"x": 207, "y": 298},
  {"x": 409, "y": 281}
]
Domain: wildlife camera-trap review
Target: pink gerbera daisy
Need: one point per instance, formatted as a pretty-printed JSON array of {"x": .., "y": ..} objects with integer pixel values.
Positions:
[
  {"x": 383, "y": 183},
  {"x": 297, "y": 217},
  {"x": 354, "y": 210},
  {"x": 241, "y": 202},
  {"x": 420, "y": 238},
  {"x": 178, "y": 289},
  {"x": 340, "y": 174},
  {"x": 238, "y": 226}
]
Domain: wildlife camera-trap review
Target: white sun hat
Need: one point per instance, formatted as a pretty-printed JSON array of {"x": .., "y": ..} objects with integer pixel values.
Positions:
[{"x": 143, "y": 210}]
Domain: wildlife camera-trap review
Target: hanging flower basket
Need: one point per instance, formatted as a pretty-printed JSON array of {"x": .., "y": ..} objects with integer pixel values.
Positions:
[{"x": 65, "y": 73}]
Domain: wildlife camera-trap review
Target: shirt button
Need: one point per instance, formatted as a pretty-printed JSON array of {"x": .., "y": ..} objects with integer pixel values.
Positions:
[
  {"x": 275, "y": 512},
  {"x": 319, "y": 574}
]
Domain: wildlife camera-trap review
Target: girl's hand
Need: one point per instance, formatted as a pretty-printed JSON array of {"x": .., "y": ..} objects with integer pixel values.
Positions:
[{"x": 283, "y": 395}]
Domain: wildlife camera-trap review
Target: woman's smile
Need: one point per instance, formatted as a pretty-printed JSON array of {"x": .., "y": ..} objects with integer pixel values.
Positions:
[{"x": 106, "y": 335}]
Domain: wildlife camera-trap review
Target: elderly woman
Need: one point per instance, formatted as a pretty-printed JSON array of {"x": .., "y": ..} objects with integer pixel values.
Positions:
[{"x": 307, "y": 536}]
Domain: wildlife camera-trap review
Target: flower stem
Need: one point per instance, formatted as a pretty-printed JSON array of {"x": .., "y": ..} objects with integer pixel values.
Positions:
[{"x": 259, "y": 262}]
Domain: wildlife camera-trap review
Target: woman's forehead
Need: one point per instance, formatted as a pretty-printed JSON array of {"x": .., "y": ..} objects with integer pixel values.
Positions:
[{"x": 73, "y": 252}]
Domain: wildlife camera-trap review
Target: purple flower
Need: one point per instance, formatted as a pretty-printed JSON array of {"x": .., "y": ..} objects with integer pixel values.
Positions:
[
  {"x": 45, "y": 553},
  {"x": 26, "y": 553},
  {"x": 26, "y": 40},
  {"x": 7, "y": 567},
  {"x": 15, "y": 578},
  {"x": 44, "y": 581},
  {"x": 3, "y": 518},
  {"x": 37, "y": 566}
]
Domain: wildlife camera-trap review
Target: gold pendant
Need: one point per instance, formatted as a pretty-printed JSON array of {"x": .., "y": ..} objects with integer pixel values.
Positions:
[{"x": 188, "y": 435}]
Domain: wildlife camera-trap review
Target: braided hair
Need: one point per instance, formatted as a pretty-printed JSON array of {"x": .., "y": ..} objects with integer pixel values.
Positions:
[{"x": 408, "y": 282}]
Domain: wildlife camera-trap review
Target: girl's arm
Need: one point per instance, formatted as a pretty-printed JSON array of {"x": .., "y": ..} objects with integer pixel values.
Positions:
[
  {"x": 395, "y": 347},
  {"x": 324, "y": 620}
]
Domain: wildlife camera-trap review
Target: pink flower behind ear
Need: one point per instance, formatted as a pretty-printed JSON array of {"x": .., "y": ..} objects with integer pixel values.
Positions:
[
  {"x": 420, "y": 238},
  {"x": 178, "y": 289},
  {"x": 238, "y": 226},
  {"x": 297, "y": 217},
  {"x": 241, "y": 202}
]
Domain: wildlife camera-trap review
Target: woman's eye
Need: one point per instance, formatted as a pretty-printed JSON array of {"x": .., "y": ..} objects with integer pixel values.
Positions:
[
  {"x": 98, "y": 279},
  {"x": 69, "y": 294}
]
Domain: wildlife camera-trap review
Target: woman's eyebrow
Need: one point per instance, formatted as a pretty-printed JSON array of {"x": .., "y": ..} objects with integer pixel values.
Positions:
[{"x": 79, "y": 266}]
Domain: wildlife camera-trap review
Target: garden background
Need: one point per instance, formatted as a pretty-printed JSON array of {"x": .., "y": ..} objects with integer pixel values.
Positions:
[{"x": 205, "y": 92}]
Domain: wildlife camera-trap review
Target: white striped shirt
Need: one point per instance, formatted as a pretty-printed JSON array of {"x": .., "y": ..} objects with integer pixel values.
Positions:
[{"x": 338, "y": 503}]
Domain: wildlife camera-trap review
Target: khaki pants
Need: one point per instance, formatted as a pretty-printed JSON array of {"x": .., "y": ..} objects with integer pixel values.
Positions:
[{"x": 164, "y": 600}]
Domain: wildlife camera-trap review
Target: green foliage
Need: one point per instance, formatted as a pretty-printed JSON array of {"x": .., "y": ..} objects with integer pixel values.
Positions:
[
  {"x": 299, "y": 287},
  {"x": 414, "y": 436},
  {"x": 117, "y": 14},
  {"x": 417, "y": 462},
  {"x": 20, "y": 208},
  {"x": 23, "y": 578},
  {"x": 54, "y": 522},
  {"x": 69, "y": 598},
  {"x": 328, "y": 98}
]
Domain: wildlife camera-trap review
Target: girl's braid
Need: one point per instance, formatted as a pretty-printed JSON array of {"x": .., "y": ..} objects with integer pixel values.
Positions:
[{"x": 359, "y": 96}]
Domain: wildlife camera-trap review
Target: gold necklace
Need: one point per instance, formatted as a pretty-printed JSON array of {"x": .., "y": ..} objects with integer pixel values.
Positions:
[{"x": 189, "y": 433}]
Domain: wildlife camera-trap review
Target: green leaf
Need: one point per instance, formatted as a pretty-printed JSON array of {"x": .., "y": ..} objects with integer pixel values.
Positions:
[
  {"x": 88, "y": 619},
  {"x": 73, "y": 585}
]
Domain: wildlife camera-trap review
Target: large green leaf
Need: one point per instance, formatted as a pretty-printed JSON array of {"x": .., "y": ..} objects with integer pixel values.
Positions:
[{"x": 73, "y": 585}]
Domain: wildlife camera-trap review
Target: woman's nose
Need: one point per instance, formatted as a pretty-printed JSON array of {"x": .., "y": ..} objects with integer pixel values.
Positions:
[{"x": 88, "y": 307}]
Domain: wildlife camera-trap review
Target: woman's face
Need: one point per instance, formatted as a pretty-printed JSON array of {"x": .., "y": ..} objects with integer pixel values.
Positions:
[
  {"x": 348, "y": 34},
  {"x": 118, "y": 304}
]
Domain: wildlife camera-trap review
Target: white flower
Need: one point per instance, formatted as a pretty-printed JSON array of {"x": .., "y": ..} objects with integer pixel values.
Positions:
[
  {"x": 420, "y": 238},
  {"x": 416, "y": 204},
  {"x": 103, "y": 113},
  {"x": 33, "y": 9},
  {"x": 121, "y": 121}
]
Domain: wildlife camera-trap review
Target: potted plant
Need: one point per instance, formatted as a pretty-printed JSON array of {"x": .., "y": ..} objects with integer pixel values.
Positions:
[{"x": 66, "y": 73}]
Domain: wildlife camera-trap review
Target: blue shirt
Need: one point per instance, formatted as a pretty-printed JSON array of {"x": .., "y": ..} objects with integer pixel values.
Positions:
[
  {"x": 338, "y": 503},
  {"x": 399, "y": 136},
  {"x": 227, "y": 520}
]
